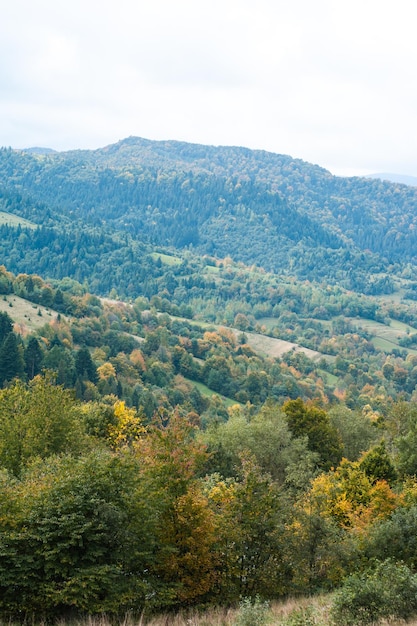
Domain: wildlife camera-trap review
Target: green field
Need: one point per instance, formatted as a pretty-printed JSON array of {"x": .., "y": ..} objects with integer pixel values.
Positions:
[
  {"x": 329, "y": 379},
  {"x": 385, "y": 337},
  {"x": 205, "y": 391},
  {"x": 212, "y": 269},
  {"x": 166, "y": 259}
]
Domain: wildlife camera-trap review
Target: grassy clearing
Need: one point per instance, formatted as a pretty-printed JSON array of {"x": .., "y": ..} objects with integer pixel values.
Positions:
[
  {"x": 268, "y": 322},
  {"x": 329, "y": 379},
  {"x": 275, "y": 348},
  {"x": 27, "y": 316},
  {"x": 209, "y": 393},
  {"x": 385, "y": 337},
  {"x": 391, "y": 332},
  {"x": 15, "y": 220},
  {"x": 166, "y": 259},
  {"x": 264, "y": 345}
]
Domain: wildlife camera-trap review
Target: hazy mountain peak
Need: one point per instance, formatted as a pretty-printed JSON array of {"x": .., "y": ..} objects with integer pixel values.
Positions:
[
  {"x": 402, "y": 179},
  {"x": 39, "y": 150}
]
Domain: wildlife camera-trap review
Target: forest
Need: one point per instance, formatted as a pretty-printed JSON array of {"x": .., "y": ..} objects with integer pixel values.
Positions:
[
  {"x": 278, "y": 213},
  {"x": 208, "y": 371},
  {"x": 151, "y": 461}
]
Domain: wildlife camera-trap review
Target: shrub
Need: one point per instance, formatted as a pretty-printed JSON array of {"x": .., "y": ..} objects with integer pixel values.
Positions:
[
  {"x": 253, "y": 612},
  {"x": 389, "y": 590}
]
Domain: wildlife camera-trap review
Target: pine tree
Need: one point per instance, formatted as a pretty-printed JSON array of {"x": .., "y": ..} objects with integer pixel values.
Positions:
[
  {"x": 84, "y": 365},
  {"x": 33, "y": 358},
  {"x": 11, "y": 359},
  {"x": 6, "y": 326}
]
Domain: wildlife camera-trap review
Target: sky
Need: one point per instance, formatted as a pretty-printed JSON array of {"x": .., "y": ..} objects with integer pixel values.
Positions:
[{"x": 332, "y": 82}]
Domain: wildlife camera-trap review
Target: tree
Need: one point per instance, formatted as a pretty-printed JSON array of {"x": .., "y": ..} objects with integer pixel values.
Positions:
[
  {"x": 171, "y": 461},
  {"x": 251, "y": 535},
  {"x": 313, "y": 422},
  {"x": 6, "y": 326},
  {"x": 84, "y": 365},
  {"x": 356, "y": 430},
  {"x": 350, "y": 498},
  {"x": 267, "y": 437},
  {"x": 385, "y": 590},
  {"x": 36, "y": 420},
  {"x": 33, "y": 357},
  {"x": 61, "y": 361},
  {"x": 73, "y": 536},
  {"x": 127, "y": 428},
  {"x": 377, "y": 464},
  {"x": 11, "y": 359}
]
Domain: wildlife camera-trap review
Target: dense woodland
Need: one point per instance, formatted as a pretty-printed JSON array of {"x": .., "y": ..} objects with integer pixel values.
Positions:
[
  {"x": 128, "y": 485},
  {"x": 279, "y": 213},
  {"x": 156, "y": 451}
]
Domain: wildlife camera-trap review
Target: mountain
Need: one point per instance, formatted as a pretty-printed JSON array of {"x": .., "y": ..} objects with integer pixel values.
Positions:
[
  {"x": 402, "y": 179},
  {"x": 38, "y": 150},
  {"x": 282, "y": 214}
]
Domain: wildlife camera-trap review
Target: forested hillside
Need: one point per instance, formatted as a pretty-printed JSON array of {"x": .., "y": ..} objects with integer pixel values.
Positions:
[
  {"x": 208, "y": 372},
  {"x": 261, "y": 208},
  {"x": 149, "y": 461}
]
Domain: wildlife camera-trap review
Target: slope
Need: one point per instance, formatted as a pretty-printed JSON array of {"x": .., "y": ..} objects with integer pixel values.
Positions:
[{"x": 260, "y": 208}]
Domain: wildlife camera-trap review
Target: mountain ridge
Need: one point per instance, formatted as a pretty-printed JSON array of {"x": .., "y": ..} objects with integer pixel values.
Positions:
[{"x": 283, "y": 214}]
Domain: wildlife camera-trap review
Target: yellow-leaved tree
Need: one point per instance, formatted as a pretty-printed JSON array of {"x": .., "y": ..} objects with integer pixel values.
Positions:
[{"x": 128, "y": 427}]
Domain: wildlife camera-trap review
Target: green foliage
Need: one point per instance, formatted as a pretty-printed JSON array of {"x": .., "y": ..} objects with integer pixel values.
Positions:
[
  {"x": 251, "y": 535},
  {"x": 269, "y": 217},
  {"x": 160, "y": 521},
  {"x": 377, "y": 464},
  {"x": 65, "y": 541},
  {"x": 33, "y": 357},
  {"x": 267, "y": 437},
  {"x": 11, "y": 358},
  {"x": 389, "y": 590},
  {"x": 253, "y": 612},
  {"x": 314, "y": 423},
  {"x": 6, "y": 326},
  {"x": 84, "y": 365},
  {"x": 395, "y": 537},
  {"x": 37, "y": 419},
  {"x": 355, "y": 429}
]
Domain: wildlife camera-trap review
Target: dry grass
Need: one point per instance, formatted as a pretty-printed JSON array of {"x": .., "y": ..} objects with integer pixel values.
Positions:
[
  {"x": 280, "y": 613},
  {"x": 272, "y": 347},
  {"x": 27, "y": 316},
  {"x": 15, "y": 220}
]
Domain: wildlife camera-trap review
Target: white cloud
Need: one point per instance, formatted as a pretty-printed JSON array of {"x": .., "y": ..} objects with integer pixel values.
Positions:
[{"x": 330, "y": 82}]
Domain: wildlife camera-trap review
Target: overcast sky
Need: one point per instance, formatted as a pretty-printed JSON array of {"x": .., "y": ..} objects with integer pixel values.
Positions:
[{"x": 332, "y": 82}]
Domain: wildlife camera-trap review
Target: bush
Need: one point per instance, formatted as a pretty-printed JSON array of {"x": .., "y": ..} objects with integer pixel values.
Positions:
[
  {"x": 388, "y": 590},
  {"x": 253, "y": 612}
]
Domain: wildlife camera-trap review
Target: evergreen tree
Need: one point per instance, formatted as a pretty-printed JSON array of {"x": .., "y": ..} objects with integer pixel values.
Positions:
[
  {"x": 6, "y": 326},
  {"x": 84, "y": 365},
  {"x": 33, "y": 358},
  {"x": 11, "y": 359}
]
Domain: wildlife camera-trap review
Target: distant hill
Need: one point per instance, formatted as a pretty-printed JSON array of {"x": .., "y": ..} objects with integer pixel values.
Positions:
[
  {"x": 402, "y": 179},
  {"x": 260, "y": 208},
  {"x": 37, "y": 150}
]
